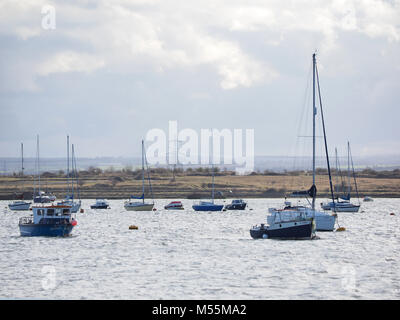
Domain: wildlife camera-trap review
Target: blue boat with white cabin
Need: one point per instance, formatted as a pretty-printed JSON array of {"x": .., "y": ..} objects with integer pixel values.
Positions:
[{"x": 48, "y": 221}]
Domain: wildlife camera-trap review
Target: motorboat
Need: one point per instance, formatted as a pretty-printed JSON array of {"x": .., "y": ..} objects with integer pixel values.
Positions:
[
  {"x": 174, "y": 205},
  {"x": 49, "y": 221},
  {"x": 19, "y": 205},
  {"x": 100, "y": 204},
  {"x": 236, "y": 205},
  {"x": 288, "y": 225}
]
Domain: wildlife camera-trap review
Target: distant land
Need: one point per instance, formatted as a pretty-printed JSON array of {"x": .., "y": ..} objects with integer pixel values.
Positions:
[
  {"x": 261, "y": 163},
  {"x": 195, "y": 183}
]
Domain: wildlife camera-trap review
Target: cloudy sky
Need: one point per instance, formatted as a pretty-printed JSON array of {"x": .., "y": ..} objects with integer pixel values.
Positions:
[{"x": 112, "y": 70}]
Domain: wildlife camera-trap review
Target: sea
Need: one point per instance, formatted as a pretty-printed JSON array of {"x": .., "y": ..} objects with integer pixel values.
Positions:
[{"x": 201, "y": 255}]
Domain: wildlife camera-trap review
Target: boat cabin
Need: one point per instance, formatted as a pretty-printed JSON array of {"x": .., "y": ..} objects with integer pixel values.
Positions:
[{"x": 51, "y": 214}]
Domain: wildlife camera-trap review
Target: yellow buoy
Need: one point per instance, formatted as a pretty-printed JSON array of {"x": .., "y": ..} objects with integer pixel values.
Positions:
[
  {"x": 341, "y": 229},
  {"x": 133, "y": 227}
]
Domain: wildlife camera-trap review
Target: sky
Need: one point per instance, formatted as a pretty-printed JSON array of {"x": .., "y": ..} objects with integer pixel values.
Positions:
[{"x": 107, "y": 72}]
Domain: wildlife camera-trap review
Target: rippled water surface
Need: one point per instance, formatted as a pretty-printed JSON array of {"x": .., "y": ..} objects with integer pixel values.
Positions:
[{"x": 200, "y": 255}]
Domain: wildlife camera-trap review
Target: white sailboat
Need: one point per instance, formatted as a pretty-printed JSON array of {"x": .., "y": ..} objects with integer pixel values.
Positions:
[
  {"x": 343, "y": 203},
  {"x": 69, "y": 198},
  {"x": 324, "y": 221},
  {"x": 20, "y": 204},
  {"x": 131, "y": 204}
]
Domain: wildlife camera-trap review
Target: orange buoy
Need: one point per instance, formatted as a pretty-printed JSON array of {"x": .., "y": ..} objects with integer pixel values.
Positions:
[
  {"x": 74, "y": 222},
  {"x": 133, "y": 227}
]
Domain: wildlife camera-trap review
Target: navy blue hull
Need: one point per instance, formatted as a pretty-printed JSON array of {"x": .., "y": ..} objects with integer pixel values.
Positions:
[
  {"x": 99, "y": 207},
  {"x": 45, "y": 230},
  {"x": 294, "y": 232},
  {"x": 240, "y": 206},
  {"x": 207, "y": 208}
]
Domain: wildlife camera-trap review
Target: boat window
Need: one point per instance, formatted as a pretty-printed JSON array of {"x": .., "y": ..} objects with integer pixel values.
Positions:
[
  {"x": 40, "y": 212},
  {"x": 50, "y": 212},
  {"x": 65, "y": 211}
]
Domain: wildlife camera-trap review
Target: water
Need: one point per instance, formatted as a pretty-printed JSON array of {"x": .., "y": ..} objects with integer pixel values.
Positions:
[{"x": 198, "y": 255}]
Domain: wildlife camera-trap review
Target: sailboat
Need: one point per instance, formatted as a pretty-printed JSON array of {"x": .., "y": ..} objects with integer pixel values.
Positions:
[
  {"x": 40, "y": 196},
  {"x": 324, "y": 221},
  {"x": 132, "y": 205},
  {"x": 343, "y": 203},
  {"x": 208, "y": 205},
  {"x": 69, "y": 198},
  {"x": 20, "y": 204}
]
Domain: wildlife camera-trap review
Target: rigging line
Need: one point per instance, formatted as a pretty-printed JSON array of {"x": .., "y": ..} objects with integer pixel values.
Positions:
[
  {"x": 148, "y": 173},
  {"x": 323, "y": 126},
  {"x": 354, "y": 174},
  {"x": 341, "y": 178}
]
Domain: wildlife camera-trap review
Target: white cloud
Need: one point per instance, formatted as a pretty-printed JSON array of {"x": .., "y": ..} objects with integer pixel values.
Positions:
[{"x": 69, "y": 61}]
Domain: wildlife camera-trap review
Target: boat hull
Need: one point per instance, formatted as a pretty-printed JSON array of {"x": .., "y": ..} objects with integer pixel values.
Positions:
[
  {"x": 339, "y": 208},
  {"x": 141, "y": 207},
  {"x": 325, "y": 222},
  {"x": 289, "y": 231},
  {"x": 45, "y": 230},
  {"x": 207, "y": 208},
  {"x": 19, "y": 206},
  {"x": 99, "y": 207}
]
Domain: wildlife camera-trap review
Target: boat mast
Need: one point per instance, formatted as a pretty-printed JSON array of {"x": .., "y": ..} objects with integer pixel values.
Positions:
[
  {"x": 326, "y": 144},
  {"x": 73, "y": 171},
  {"x": 68, "y": 182},
  {"x": 348, "y": 169},
  {"x": 354, "y": 174},
  {"x": 143, "y": 170},
  {"x": 22, "y": 159},
  {"x": 38, "y": 161},
  {"x": 212, "y": 192},
  {"x": 314, "y": 114}
]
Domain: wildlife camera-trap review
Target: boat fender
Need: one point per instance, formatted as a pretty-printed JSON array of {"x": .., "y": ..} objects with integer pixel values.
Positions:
[
  {"x": 82, "y": 211},
  {"x": 74, "y": 223},
  {"x": 265, "y": 236}
]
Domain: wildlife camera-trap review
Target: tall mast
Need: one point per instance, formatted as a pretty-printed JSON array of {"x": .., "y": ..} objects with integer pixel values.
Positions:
[
  {"x": 337, "y": 172},
  {"x": 38, "y": 161},
  {"x": 314, "y": 113},
  {"x": 73, "y": 170},
  {"x": 143, "y": 170},
  {"x": 212, "y": 193},
  {"x": 326, "y": 144},
  {"x": 348, "y": 168},
  {"x": 68, "y": 181},
  {"x": 22, "y": 159}
]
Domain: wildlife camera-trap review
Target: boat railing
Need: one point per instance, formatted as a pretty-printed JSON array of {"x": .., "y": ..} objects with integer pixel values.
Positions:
[{"x": 26, "y": 220}]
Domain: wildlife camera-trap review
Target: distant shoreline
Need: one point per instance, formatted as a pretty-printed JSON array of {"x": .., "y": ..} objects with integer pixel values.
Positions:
[{"x": 196, "y": 184}]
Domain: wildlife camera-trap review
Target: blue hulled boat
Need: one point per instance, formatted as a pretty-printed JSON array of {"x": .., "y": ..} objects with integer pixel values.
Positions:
[
  {"x": 208, "y": 205},
  {"x": 48, "y": 221}
]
